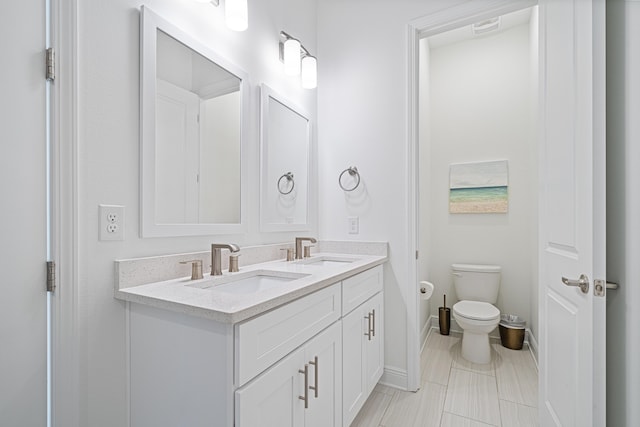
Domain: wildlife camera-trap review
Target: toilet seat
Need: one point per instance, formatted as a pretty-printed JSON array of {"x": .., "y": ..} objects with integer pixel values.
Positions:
[{"x": 477, "y": 310}]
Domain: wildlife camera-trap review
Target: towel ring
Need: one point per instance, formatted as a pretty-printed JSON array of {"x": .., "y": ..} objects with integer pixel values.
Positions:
[
  {"x": 289, "y": 177},
  {"x": 353, "y": 171}
]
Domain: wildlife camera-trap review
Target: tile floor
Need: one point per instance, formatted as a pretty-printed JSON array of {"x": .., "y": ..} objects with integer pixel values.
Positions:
[{"x": 457, "y": 393}]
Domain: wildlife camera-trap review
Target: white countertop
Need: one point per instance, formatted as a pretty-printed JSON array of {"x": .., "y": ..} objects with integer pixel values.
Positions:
[{"x": 183, "y": 295}]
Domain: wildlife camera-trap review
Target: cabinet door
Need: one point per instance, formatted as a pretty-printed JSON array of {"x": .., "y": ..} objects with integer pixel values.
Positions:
[
  {"x": 354, "y": 385},
  {"x": 324, "y": 356},
  {"x": 272, "y": 399},
  {"x": 374, "y": 351}
]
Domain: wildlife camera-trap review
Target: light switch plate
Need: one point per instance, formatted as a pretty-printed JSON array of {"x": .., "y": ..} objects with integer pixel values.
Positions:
[{"x": 353, "y": 224}]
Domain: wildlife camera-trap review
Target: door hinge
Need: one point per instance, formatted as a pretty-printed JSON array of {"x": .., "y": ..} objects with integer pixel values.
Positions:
[
  {"x": 50, "y": 59},
  {"x": 417, "y": 254},
  {"x": 51, "y": 276}
]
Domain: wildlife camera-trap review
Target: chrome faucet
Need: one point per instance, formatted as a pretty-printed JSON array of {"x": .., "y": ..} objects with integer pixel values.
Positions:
[
  {"x": 216, "y": 256},
  {"x": 299, "y": 241}
]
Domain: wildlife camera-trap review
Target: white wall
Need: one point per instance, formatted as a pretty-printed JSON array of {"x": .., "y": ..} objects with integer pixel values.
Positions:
[
  {"x": 480, "y": 111},
  {"x": 108, "y": 107},
  {"x": 362, "y": 121},
  {"x": 623, "y": 212}
]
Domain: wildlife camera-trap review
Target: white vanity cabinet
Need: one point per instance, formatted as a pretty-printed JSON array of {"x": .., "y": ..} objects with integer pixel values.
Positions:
[
  {"x": 303, "y": 389},
  {"x": 362, "y": 339},
  {"x": 311, "y": 362}
]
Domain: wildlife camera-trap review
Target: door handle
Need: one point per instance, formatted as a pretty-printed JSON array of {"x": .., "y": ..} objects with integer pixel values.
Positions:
[{"x": 582, "y": 283}]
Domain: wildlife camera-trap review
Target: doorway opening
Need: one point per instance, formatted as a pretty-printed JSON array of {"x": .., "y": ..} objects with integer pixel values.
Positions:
[
  {"x": 478, "y": 105},
  {"x": 474, "y": 100}
]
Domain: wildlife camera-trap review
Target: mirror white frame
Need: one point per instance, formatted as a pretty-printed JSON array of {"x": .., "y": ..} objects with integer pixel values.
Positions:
[
  {"x": 150, "y": 24},
  {"x": 269, "y": 181}
]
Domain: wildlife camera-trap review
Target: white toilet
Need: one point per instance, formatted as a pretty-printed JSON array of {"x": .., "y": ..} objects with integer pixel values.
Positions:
[{"x": 477, "y": 289}]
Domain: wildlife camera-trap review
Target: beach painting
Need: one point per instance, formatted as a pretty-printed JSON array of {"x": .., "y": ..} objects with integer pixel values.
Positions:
[{"x": 479, "y": 187}]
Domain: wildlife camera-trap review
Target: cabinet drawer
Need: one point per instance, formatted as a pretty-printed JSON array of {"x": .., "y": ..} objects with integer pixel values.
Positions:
[
  {"x": 263, "y": 340},
  {"x": 361, "y": 287}
]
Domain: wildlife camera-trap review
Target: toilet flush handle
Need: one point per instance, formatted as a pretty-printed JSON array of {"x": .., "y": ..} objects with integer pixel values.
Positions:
[{"x": 457, "y": 274}]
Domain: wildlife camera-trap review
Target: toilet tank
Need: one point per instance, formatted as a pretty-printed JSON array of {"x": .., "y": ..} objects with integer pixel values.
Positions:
[{"x": 476, "y": 282}]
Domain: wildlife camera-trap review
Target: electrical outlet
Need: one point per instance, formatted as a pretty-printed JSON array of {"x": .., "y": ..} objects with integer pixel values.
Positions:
[
  {"x": 112, "y": 217},
  {"x": 111, "y": 222},
  {"x": 353, "y": 223}
]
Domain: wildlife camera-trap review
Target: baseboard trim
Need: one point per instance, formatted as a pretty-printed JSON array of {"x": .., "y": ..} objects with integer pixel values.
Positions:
[
  {"x": 424, "y": 333},
  {"x": 530, "y": 339},
  {"x": 394, "y": 377}
]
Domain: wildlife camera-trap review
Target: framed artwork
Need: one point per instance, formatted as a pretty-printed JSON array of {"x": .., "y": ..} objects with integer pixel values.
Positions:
[{"x": 479, "y": 187}]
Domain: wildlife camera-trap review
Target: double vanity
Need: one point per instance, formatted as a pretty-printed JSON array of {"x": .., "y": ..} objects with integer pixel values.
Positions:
[
  {"x": 278, "y": 343},
  {"x": 272, "y": 342}
]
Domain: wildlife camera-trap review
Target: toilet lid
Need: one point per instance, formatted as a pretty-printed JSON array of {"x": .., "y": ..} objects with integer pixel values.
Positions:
[{"x": 476, "y": 310}]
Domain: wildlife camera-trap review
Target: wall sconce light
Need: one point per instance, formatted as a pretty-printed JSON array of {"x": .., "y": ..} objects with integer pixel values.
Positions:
[
  {"x": 309, "y": 76},
  {"x": 236, "y": 13},
  {"x": 292, "y": 57},
  {"x": 298, "y": 61}
]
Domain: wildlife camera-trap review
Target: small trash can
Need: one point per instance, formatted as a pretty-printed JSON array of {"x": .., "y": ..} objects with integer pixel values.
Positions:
[{"x": 511, "y": 331}]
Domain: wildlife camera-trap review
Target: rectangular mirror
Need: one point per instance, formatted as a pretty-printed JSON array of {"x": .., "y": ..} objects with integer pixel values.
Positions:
[
  {"x": 193, "y": 117},
  {"x": 285, "y": 158}
]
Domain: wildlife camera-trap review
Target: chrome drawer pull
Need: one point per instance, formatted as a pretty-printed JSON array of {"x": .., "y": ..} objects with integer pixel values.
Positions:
[
  {"x": 368, "y": 333},
  {"x": 314, "y": 362},
  {"x": 306, "y": 386},
  {"x": 373, "y": 321}
]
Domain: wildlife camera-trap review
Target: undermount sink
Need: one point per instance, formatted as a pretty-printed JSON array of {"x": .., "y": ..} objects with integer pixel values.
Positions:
[
  {"x": 325, "y": 261},
  {"x": 248, "y": 283}
]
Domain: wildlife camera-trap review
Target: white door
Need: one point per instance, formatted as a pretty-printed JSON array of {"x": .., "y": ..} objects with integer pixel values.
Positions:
[
  {"x": 572, "y": 206},
  {"x": 23, "y": 219},
  {"x": 177, "y": 154}
]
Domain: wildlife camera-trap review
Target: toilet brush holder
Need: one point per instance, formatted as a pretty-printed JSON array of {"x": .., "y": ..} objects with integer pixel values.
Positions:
[
  {"x": 444, "y": 316},
  {"x": 445, "y": 320}
]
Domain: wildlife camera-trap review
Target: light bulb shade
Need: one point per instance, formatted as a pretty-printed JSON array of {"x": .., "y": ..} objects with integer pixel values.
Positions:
[
  {"x": 292, "y": 57},
  {"x": 309, "y": 75},
  {"x": 236, "y": 14}
]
